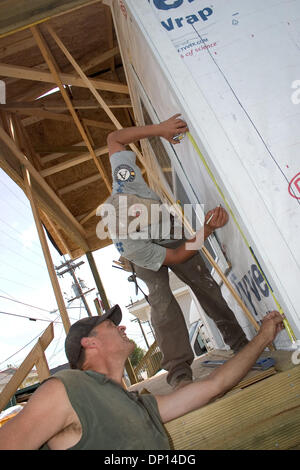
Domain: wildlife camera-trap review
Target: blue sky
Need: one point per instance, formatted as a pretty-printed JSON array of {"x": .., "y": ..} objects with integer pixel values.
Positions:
[{"x": 24, "y": 278}]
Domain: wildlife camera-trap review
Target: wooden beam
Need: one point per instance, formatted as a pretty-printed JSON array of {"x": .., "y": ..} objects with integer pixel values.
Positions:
[
  {"x": 20, "y": 14},
  {"x": 26, "y": 366},
  {"x": 41, "y": 363},
  {"x": 89, "y": 122},
  {"x": 76, "y": 227},
  {"x": 27, "y": 73},
  {"x": 65, "y": 150},
  {"x": 110, "y": 36},
  {"x": 93, "y": 62},
  {"x": 47, "y": 255},
  {"x": 87, "y": 81},
  {"x": 58, "y": 237},
  {"x": 41, "y": 114},
  {"x": 55, "y": 72},
  {"x": 90, "y": 61},
  {"x": 100, "y": 124},
  {"x": 98, "y": 98},
  {"x": 73, "y": 162},
  {"x": 88, "y": 64},
  {"x": 87, "y": 216},
  {"x": 79, "y": 184},
  {"x": 15, "y": 47},
  {"x": 55, "y": 155},
  {"x": 39, "y": 105}
]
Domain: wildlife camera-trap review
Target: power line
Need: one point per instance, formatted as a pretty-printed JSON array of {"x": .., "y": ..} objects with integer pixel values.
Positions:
[
  {"x": 54, "y": 321},
  {"x": 15, "y": 230},
  {"x": 27, "y": 305},
  {"x": 19, "y": 283},
  {"x": 7, "y": 294},
  {"x": 16, "y": 210},
  {"x": 19, "y": 242},
  {"x": 21, "y": 256},
  {"x": 22, "y": 347},
  {"x": 11, "y": 191},
  {"x": 54, "y": 353},
  {"x": 18, "y": 269},
  {"x": 30, "y": 318}
]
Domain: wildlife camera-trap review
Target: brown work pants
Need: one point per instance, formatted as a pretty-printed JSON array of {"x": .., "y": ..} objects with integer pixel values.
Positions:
[{"x": 168, "y": 320}]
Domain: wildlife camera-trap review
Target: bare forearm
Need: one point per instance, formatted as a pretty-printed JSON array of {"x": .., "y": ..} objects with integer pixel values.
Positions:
[{"x": 132, "y": 134}]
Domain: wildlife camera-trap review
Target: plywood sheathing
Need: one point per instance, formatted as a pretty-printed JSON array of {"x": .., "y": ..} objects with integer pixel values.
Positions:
[
  {"x": 74, "y": 29},
  {"x": 50, "y": 129},
  {"x": 18, "y": 14}
]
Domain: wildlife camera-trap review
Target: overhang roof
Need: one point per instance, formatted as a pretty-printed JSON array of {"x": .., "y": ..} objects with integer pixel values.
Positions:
[{"x": 61, "y": 138}]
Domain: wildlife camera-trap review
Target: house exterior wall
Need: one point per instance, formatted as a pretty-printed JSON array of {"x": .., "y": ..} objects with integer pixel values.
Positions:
[{"x": 238, "y": 101}]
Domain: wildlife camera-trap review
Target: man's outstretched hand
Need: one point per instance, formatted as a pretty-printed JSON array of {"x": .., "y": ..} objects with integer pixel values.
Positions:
[
  {"x": 271, "y": 325},
  {"x": 171, "y": 127}
]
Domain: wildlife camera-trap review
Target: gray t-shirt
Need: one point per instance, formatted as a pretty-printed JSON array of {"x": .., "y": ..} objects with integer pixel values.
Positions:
[
  {"x": 146, "y": 247},
  {"x": 127, "y": 177}
]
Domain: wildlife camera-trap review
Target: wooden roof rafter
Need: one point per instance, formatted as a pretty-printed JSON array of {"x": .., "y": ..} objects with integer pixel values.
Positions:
[
  {"x": 17, "y": 15},
  {"x": 53, "y": 67},
  {"x": 99, "y": 99},
  {"x": 29, "y": 73},
  {"x": 56, "y": 143},
  {"x": 73, "y": 161}
]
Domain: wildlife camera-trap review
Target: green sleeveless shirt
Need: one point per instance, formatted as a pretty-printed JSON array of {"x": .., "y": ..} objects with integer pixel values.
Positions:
[{"x": 112, "y": 418}]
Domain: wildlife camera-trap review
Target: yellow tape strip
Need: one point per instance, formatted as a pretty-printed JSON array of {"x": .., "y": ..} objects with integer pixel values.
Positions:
[
  {"x": 285, "y": 321},
  {"x": 27, "y": 26}
]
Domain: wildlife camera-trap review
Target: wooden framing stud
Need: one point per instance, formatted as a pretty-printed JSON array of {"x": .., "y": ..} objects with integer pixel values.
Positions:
[
  {"x": 35, "y": 357},
  {"x": 27, "y": 73},
  {"x": 74, "y": 161},
  {"x": 46, "y": 252}
]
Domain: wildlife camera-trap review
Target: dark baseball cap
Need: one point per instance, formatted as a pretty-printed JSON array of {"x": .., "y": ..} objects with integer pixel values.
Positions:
[{"x": 82, "y": 328}]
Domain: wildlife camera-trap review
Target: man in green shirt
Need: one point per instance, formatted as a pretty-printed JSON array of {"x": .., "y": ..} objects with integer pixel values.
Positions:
[{"x": 88, "y": 407}]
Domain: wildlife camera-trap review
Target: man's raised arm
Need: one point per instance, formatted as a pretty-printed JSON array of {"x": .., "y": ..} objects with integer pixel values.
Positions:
[{"x": 118, "y": 140}]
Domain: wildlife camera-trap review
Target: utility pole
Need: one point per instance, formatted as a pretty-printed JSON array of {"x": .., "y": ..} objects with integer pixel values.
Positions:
[
  {"x": 142, "y": 330},
  {"x": 78, "y": 284}
]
